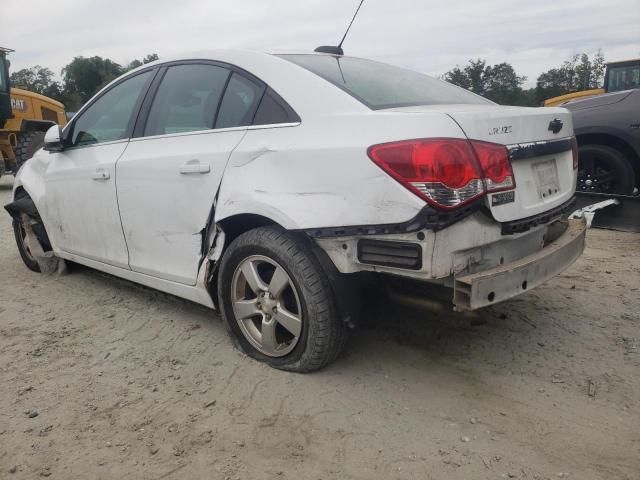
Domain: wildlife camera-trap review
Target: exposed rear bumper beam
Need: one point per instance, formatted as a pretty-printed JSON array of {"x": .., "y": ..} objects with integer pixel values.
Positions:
[{"x": 506, "y": 281}]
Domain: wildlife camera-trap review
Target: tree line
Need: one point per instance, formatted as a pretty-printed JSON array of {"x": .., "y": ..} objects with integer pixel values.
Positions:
[
  {"x": 83, "y": 77},
  {"x": 503, "y": 85}
]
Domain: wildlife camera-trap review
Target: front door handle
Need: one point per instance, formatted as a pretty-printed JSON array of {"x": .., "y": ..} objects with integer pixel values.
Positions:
[
  {"x": 195, "y": 166},
  {"x": 101, "y": 174}
]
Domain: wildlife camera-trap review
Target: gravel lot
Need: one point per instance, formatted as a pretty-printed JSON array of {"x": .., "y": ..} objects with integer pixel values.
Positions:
[{"x": 128, "y": 383}]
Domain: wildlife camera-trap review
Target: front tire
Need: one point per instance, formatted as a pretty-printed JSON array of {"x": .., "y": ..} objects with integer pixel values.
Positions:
[
  {"x": 23, "y": 247},
  {"x": 602, "y": 169},
  {"x": 277, "y": 302}
]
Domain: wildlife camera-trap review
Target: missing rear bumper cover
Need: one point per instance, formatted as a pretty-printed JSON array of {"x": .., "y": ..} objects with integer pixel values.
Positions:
[{"x": 506, "y": 281}]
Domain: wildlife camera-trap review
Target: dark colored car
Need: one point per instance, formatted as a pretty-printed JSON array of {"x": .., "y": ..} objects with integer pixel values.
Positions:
[{"x": 608, "y": 131}]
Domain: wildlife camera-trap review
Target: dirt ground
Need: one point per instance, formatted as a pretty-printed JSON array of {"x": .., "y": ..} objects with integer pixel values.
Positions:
[{"x": 128, "y": 383}]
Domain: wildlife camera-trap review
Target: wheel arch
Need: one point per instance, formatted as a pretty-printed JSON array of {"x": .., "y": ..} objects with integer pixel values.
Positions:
[
  {"x": 346, "y": 293},
  {"x": 235, "y": 225},
  {"x": 616, "y": 141}
]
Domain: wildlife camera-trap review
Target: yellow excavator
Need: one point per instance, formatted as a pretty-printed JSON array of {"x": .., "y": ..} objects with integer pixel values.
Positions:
[
  {"x": 24, "y": 118},
  {"x": 621, "y": 75}
]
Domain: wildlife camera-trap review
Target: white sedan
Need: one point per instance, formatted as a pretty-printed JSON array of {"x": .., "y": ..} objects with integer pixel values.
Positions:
[{"x": 266, "y": 184}]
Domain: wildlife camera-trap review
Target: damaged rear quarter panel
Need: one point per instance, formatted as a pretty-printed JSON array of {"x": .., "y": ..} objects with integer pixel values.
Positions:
[{"x": 318, "y": 174}]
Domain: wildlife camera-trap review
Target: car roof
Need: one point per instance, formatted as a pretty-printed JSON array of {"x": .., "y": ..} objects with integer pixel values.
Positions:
[{"x": 290, "y": 81}]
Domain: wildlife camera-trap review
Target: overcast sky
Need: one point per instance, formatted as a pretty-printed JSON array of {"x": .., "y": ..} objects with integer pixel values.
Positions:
[{"x": 428, "y": 36}]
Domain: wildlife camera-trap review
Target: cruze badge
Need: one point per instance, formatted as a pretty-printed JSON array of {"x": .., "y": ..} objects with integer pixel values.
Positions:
[{"x": 500, "y": 130}]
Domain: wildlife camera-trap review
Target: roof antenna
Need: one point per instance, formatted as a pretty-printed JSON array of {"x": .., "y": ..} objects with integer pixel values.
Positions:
[{"x": 337, "y": 50}]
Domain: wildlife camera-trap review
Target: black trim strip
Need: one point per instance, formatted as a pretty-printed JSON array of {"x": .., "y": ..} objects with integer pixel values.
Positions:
[
  {"x": 427, "y": 218},
  {"x": 522, "y": 151},
  {"x": 525, "y": 224}
]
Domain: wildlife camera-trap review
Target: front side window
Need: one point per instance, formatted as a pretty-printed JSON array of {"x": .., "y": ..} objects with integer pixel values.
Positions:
[
  {"x": 624, "y": 78},
  {"x": 108, "y": 118},
  {"x": 379, "y": 86},
  {"x": 187, "y": 99}
]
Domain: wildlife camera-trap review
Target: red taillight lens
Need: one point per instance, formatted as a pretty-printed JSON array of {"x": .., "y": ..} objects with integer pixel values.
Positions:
[
  {"x": 446, "y": 172},
  {"x": 495, "y": 164},
  {"x": 574, "y": 151},
  {"x": 442, "y": 171}
]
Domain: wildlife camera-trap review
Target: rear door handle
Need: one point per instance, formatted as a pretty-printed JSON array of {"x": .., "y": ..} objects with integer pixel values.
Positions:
[
  {"x": 194, "y": 166},
  {"x": 100, "y": 174}
]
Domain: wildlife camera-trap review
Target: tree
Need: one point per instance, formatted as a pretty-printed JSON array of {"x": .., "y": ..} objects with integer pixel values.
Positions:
[
  {"x": 576, "y": 74},
  {"x": 83, "y": 77},
  {"x": 152, "y": 57},
  {"x": 35, "y": 79},
  {"x": 499, "y": 82}
]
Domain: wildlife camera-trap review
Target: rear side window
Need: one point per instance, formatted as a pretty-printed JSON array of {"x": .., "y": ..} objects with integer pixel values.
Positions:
[
  {"x": 187, "y": 99},
  {"x": 239, "y": 103},
  {"x": 378, "y": 85},
  {"x": 273, "y": 110}
]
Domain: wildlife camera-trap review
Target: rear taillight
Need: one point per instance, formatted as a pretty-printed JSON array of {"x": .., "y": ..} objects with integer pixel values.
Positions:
[
  {"x": 495, "y": 164},
  {"x": 446, "y": 172},
  {"x": 574, "y": 151}
]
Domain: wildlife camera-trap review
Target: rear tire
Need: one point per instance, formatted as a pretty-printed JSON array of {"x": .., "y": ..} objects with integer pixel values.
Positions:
[
  {"x": 27, "y": 145},
  {"x": 250, "y": 269},
  {"x": 23, "y": 248},
  {"x": 602, "y": 169}
]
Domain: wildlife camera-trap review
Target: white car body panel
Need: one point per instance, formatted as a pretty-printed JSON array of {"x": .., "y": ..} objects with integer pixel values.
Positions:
[
  {"x": 198, "y": 293},
  {"x": 165, "y": 201},
  {"x": 81, "y": 208},
  {"x": 299, "y": 179}
]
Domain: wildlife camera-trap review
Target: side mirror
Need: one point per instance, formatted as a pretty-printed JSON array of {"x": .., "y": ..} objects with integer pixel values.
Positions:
[{"x": 53, "y": 139}]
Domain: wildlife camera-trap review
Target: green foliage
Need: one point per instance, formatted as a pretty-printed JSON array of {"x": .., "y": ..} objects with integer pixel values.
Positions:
[
  {"x": 81, "y": 78},
  {"x": 576, "y": 74},
  {"x": 499, "y": 82},
  {"x": 37, "y": 79},
  {"x": 152, "y": 57}
]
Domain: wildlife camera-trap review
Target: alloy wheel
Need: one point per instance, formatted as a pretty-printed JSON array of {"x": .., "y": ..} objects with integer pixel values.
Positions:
[
  {"x": 22, "y": 238},
  {"x": 595, "y": 176},
  {"x": 266, "y": 305}
]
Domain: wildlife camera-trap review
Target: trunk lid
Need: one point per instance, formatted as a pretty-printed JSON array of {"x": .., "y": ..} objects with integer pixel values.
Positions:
[{"x": 539, "y": 141}]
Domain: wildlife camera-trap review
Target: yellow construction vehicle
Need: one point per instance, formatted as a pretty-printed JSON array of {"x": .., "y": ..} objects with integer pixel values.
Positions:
[
  {"x": 24, "y": 118},
  {"x": 621, "y": 75}
]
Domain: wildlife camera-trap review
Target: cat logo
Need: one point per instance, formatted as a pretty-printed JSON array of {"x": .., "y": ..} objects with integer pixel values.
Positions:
[{"x": 18, "y": 104}]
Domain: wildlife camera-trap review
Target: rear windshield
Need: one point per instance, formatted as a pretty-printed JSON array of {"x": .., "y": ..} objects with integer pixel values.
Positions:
[{"x": 379, "y": 85}]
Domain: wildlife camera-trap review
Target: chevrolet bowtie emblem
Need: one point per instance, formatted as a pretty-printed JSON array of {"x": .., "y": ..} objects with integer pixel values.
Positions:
[{"x": 555, "y": 125}]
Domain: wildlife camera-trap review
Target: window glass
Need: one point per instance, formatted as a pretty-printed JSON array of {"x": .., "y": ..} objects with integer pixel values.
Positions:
[
  {"x": 271, "y": 111},
  {"x": 624, "y": 78},
  {"x": 107, "y": 119},
  {"x": 187, "y": 99},
  {"x": 378, "y": 85},
  {"x": 239, "y": 102}
]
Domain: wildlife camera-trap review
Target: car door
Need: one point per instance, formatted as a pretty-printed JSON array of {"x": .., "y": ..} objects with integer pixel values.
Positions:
[
  {"x": 81, "y": 208},
  {"x": 169, "y": 175}
]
